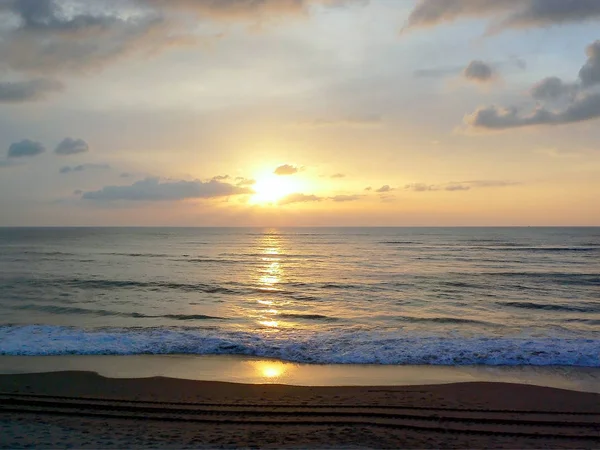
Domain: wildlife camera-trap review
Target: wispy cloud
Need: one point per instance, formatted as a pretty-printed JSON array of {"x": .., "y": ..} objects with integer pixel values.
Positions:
[
  {"x": 504, "y": 14},
  {"x": 153, "y": 189},
  {"x": 83, "y": 167},
  {"x": 299, "y": 198}
]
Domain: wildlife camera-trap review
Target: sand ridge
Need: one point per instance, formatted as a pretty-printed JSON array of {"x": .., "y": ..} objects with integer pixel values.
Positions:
[{"x": 453, "y": 415}]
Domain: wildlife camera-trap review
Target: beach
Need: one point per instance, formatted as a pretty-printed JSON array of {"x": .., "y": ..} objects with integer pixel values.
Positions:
[{"x": 86, "y": 410}]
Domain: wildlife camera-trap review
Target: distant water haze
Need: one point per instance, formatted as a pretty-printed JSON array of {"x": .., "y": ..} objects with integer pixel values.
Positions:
[{"x": 433, "y": 296}]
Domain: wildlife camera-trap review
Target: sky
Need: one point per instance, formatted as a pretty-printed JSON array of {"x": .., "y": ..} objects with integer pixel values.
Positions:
[{"x": 299, "y": 113}]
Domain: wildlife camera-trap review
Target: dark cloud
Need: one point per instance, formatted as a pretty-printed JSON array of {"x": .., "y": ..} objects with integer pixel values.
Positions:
[
  {"x": 27, "y": 91},
  {"x": 385, "y": 188},
  {"x": 25, "y": 148},
  {"x": 583, "y": 108},
  {"x": 77, "y": 192},
  {"x": 338, "y": 175},
  {"x": 286, "y": 169},
  {"x": 552, "y": 88},
  {"x": 58, "y": 36},
  {"x": 504, "y": 13},
  {"x": 82, "y": 167},
  {"x": 479, "y": 72},
  {"x": 152, "y": 189},
  {"x": 590, "y": 72},
  {"x": 69, "y": 146},
  {"x": 345, "y": 198},
  {"x": 581, "y": 104},
  {"x": 299, "y": 198},
  {"x": 67, "y": 36}
]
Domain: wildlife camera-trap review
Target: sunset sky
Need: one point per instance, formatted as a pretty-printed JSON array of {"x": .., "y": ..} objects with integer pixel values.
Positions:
[{"x": 299, "y": 112}]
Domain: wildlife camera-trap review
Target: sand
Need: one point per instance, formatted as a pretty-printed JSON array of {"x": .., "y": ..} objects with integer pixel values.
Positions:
[{"x": 86, "y": 410}]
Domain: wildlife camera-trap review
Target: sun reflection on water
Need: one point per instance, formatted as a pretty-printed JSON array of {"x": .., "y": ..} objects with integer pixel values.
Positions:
[
  {"x": 270, "y": 370},
  {"x": 269, "y": 275}
]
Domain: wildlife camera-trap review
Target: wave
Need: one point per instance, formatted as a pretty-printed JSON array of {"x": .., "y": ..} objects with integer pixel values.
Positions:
[
  {"x": 350, "y": 347},
  {"x": 444, "y": 320},
  {"x": 308, "y": 317},
  {"x": 107, "y": 313},
  {"x": 138, "y": 255},
  {"x": 585, "y": 279},
  {"x": 505, "y": 248},
  {"x": 590, "y": 307},
  {"x": 124, "y": 284}
]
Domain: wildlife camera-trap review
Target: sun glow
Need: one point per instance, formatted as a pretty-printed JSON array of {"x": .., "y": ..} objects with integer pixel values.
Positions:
[
  {"x": 271, "y": 188},
  {"x": 270, "y": 369}
]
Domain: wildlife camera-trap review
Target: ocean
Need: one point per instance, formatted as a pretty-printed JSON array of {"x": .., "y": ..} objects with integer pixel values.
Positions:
[{"x": 394, "y": 296}]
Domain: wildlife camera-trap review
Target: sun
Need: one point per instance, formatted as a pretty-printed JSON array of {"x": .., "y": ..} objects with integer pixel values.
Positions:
[{"x": 270, "y": 188}]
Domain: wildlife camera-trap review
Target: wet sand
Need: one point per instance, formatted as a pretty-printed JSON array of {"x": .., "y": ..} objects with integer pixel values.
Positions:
[{"x": 86, "y": 410}]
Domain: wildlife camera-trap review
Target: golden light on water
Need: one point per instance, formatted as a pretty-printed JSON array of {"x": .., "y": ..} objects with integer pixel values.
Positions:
[
  {"x": 269, "y": 323},
  {"x": 270, "y": 369},
  {"x": 269, "y": 275}
]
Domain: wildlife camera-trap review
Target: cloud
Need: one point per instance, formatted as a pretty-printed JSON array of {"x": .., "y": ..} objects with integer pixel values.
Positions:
[
  {"x": 299, "y": 198},
  {"x": 241, "y": 181},
  {"x": 286, "y": 169},
  {"x": 69, "y": 146},
  {"x": 590, "y": 72},
  {"x": 82, "y": 167},
  {"x": 27, "y": 91},
  {"x": 456, "y": 186},
  {"x": 385, "y": 188},
  {"x": 582, "y": 104},
  {"x": 479, "y": 72},
  {"x": 338, "y": 175},
  {"x": 79, "y": 36},
  {"x": 421, "y": 187},
  {"x": 368, "y": 188},
  {"x": 493, "y": 118},
  {"x": 152, "y": 189},
  {"x": 552, "y": 88},
  {"x": 345, "y": 198},
  {"x": 504, "y": 13},
  {"x": 25, "y": 148},
  {"x": 221, "y": 177},
  {"x": 241, "y": 9},
  {"x": 58, "y": 36}
]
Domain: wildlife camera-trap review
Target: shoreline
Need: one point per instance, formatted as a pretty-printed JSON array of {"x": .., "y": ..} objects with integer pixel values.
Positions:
[
  {"x": 85, "y": 410},
  {"x": 254, "y": 370}
]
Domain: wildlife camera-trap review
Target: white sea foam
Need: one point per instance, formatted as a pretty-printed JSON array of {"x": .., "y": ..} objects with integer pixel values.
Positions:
[{"x": 321, "y": 348}]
